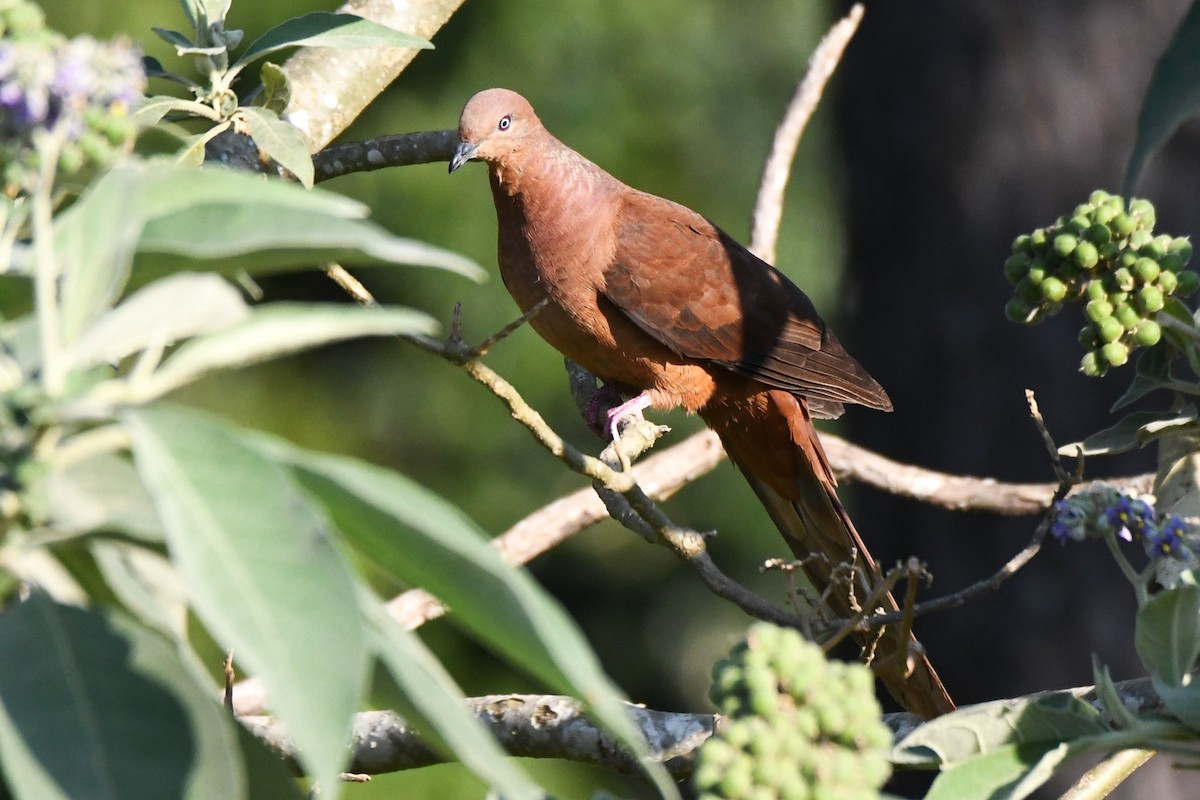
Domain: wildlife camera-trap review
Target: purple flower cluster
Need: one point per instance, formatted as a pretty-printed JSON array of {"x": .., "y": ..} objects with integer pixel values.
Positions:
[
  {"x": 1104, "y": 510},
  {"x": 81, "y": 87}
]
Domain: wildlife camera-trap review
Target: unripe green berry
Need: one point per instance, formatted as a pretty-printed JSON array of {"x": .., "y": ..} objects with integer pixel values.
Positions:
[
  {"x": 1078, "y": 224},
  {"x": 1089, "y": 336},
  {"x": 1104, "y": 214},
  {"x": 1091, "y": 365},
  {"x": 1083, "y": 210},
  {"x": 1123, "y": 279},
  {"x": 1053, "y": 290},
  {"x": 1188, "y": 283},
  {"x": 1116, "y": 298},
  {"x": 1127, "y": 317},
  {"x": 1149, "y": 299},
  {"x": 1038, "y": 241},
  {"x": 1147, "y": 269},
  {"x": 1152, "y": 249},
  {"x": 1097, "y": 310},
  {"x": 1148, "y": 333},
  {"x": 1115, "y": 353},
  {"x": 1143, "y": 211},
  {"x": 1096, "y": 290},
  {"x": 1098, "y": 196},
  {"x": 1085, "y": 255},
  {"x": 1037, "y": 271},
  {"x": 1123, "y": 225},
  {"x": 1029, "y": 291},
  {"x": 1098, "y": 233},
  {"x": 1168, "y": 282},
  {"x": 1181, "y": 247},
  {"x": 1171, "y": 262},
  {"x": 1023, "y": 245},
  {"x": 1139, "y": 239},
  {"x": 1065, "y": 244},
  {"x": 1109, "y": 252},
  {"x": 1110, "y": 329}
]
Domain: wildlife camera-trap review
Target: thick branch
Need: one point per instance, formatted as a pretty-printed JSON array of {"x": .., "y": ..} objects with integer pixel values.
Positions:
[
  {"x": 330, "y": 88},
  {"x": 552, "y": 726},
  {"x": 395, "y": 150}
]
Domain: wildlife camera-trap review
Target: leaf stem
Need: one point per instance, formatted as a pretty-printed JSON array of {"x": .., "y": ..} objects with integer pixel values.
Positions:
[{"x": 46, "y": 267}]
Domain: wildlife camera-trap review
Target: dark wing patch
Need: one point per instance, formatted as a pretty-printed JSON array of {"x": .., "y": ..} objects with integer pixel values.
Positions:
[{"x": 693, "y": 288}]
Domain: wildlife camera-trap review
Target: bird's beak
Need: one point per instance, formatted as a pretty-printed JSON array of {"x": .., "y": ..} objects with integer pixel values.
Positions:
[{"x": 462, "y": 154}]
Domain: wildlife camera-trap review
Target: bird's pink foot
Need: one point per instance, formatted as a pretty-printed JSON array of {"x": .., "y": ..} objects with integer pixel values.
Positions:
[{"x": 630, "y": 408}]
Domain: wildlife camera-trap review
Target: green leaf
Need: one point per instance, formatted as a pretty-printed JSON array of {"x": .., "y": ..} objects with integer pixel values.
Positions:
[
  {"x": 101, "y": 493},
  {"x": 96, "y": 237},
  {"x": 174, "y": 38},
  {"x": 323, "y": 29},
  {"x": 976, "y": 730},
  {"x": 101, "y": 708},
  {"x": 421, "y": 540},
  {"x": 1110, "y": 700},
  {"x": 205, "y": 12},
  {"x": 1153, "y": 372},
  {"x": 179, "y": 306},
  {"x": 1181, "y": 700},
  {"x": 275, "y": 330},
  {"x": 1167, "y": 636},
  {"x": 262, "y": 573},
  {"x": 1134, "y": 430},
  {"x": 280, "y": 140},
  {"x": 1008, "y": 773},
  {"x": 277, "y": 89},
  {"x": 1173, "y": 94},
  {"x": 439, "y": 705},
  {"x": 261, "y": 239},
  {"x": 145, "y": 583},
  {"x": 153, "y": 109}
]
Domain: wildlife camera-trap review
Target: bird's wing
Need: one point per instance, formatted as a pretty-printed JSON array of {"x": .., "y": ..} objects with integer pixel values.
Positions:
[{"x": 693, "y": 288}]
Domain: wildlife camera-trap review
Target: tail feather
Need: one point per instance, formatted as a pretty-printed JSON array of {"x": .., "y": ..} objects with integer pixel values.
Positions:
[{"x": 798, "y": 492}]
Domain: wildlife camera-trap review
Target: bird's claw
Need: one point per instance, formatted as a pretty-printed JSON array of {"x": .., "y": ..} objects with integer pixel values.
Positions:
[{"x": 629, "y": 409}]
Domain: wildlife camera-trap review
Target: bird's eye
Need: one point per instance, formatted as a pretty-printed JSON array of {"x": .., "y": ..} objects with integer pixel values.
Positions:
[{"x": 505, "y": 122}]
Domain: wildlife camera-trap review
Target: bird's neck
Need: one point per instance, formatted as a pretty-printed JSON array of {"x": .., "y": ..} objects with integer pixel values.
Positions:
[{"x": 551, "y": 181}]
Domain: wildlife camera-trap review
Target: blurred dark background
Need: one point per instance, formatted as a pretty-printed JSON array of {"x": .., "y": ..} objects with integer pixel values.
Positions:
[{"x": 951, "y": 127}]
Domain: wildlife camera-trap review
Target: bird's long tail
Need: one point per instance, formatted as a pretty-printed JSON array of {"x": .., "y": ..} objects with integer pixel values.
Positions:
[{"x": 771, "y": 438}]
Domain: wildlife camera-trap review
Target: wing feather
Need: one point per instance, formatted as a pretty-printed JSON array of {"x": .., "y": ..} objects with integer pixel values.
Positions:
[{"x": 692, "y": 287}]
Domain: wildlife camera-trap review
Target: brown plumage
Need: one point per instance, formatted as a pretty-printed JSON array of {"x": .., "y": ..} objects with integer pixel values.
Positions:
[{"x": 649, "y": 295}]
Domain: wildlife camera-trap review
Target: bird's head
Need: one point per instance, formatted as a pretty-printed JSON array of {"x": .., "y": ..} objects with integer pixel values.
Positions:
[{"x": 494, "y": 125}]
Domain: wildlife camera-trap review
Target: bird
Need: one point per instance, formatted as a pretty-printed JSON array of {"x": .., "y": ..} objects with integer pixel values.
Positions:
[{"x": 657, "y": 301}]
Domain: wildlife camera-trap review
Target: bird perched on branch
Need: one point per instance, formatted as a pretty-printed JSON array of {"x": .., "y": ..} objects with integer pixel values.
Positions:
[{"x": 654, "y": 299}]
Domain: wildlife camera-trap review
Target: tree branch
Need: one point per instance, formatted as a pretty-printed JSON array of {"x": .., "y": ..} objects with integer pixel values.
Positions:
[
  {"x": 393, "y": 150},
  {"x": 553, "y": 726},
  {"x": 768, "y": 210},
  {"x": 330, "y": 88}
]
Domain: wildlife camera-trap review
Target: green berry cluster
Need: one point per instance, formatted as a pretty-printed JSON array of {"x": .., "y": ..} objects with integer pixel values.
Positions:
[
  {"x": 798, "y": 726},
  {"x": 1107, "y": 256}
]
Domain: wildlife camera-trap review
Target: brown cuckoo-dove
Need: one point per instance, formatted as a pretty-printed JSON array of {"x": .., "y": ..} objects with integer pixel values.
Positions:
[{"x": 652, "y": 297}]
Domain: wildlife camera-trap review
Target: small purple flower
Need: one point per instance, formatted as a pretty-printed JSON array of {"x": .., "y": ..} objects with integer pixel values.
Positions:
[
  {"x": 1167, "y": 539},
  {"x": 1068, "y": 525},
  {"x": 1129, "y": 516}
]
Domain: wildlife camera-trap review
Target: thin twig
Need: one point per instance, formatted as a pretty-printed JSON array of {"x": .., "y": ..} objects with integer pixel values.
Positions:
[
  {"x": 768, "y": 211},
  {"x": 1102, "y": 779},
  {"x": 1014, "y": 564},
  {"x": 227, "y": 668}
]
